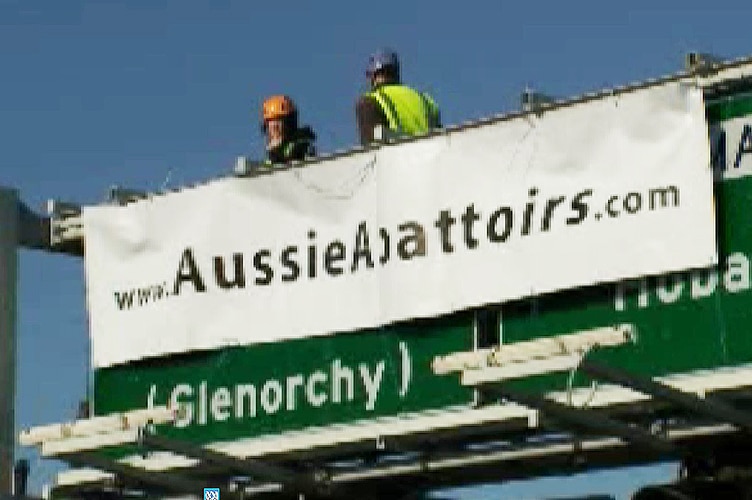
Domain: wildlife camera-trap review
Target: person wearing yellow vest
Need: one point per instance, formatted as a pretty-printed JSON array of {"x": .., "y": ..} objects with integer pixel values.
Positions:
[
  {"x": 285, "y": 140},
  {"x": 397, "y": 108}
]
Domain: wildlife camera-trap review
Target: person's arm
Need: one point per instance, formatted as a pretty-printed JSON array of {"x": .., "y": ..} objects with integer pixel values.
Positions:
[
  {"x": 277, "y": 154},
  {"x": 369, "y": 114},
  {"x": 434, "y": 113},
  {"x": 301, "y": 150},
  {"x": 307, "y": 139}
]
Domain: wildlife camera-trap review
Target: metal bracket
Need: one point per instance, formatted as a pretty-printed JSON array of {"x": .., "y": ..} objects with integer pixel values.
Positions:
[
  {"x": 66, "y": 227},
  {"x": 702, "y": 63},
  {"x": 537, "y": 102},
  {"x": 122, "y": 196}
]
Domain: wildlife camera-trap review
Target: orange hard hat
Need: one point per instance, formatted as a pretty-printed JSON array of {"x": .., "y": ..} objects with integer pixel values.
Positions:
[{"x": 278, "y": 106}]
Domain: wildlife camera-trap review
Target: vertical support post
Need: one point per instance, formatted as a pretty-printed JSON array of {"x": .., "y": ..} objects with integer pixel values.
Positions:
[{"x": 8, "y": 277}]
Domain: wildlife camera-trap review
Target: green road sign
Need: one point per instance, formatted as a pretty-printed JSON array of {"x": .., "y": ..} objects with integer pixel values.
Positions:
[
  {"x": 699, "y": 319},
  {"x": 270, "y": 388}
]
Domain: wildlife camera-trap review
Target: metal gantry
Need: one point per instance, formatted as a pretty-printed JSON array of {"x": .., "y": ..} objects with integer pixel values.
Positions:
[
  {"x": 517, "y": 435},
  {"x": 512, "y": 434}
]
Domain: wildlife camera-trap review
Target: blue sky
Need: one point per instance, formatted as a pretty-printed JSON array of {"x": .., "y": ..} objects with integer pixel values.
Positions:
[{"x": 152, "y": 93}]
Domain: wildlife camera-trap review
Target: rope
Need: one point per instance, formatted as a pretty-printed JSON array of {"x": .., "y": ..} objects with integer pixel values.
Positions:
[{"x": 570, "y": 380}]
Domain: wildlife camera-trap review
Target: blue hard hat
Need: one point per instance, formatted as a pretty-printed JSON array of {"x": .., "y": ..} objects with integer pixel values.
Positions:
[{"x": 382, "y": 59}]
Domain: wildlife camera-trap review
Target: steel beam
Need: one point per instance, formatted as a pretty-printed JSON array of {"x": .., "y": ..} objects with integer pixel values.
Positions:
[
  {"x": 291, "y": 480},
  {"x": 172, "y": 482},
  {"x": 8, "y": 278},
  {"x": 588, "y": 420},
  {"x": 708, "y": 406}
]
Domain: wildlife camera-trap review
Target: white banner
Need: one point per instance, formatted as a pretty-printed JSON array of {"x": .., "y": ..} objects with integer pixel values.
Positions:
[{"x": 596, "y": 192}]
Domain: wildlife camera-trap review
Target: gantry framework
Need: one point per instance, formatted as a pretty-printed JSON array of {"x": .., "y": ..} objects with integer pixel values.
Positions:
[{"x": 508, "y": 434}]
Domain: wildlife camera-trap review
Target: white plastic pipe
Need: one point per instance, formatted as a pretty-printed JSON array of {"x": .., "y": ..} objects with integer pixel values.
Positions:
[
  {"x": 534, "y": 349},
  {"x": 97, "y": 425}
]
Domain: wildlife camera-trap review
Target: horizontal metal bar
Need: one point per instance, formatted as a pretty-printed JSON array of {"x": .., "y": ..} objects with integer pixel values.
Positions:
[
  {"x": 530, "y": 459},
  {"x": 590, "y": 451},
  {"x": 708, "y": 406},
  {"x": 299, "y": 482},
  {"x": 586, "y": 419},
  {"x": 167, "y": 481}
]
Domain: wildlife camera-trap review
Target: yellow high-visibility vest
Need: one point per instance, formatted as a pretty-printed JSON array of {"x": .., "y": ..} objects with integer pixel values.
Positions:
[{"x": 408, "y": 112}]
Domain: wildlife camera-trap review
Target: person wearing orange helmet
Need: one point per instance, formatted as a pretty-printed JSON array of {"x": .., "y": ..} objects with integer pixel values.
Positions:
[
  {"x": 391, "y": 107},
  {"x": 285, "y": 140}
]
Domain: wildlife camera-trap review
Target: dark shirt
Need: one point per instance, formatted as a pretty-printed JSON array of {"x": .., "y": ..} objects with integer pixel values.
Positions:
[
  {"x": 369, "y": 114},
  {"x": 299, "y": 147}
]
